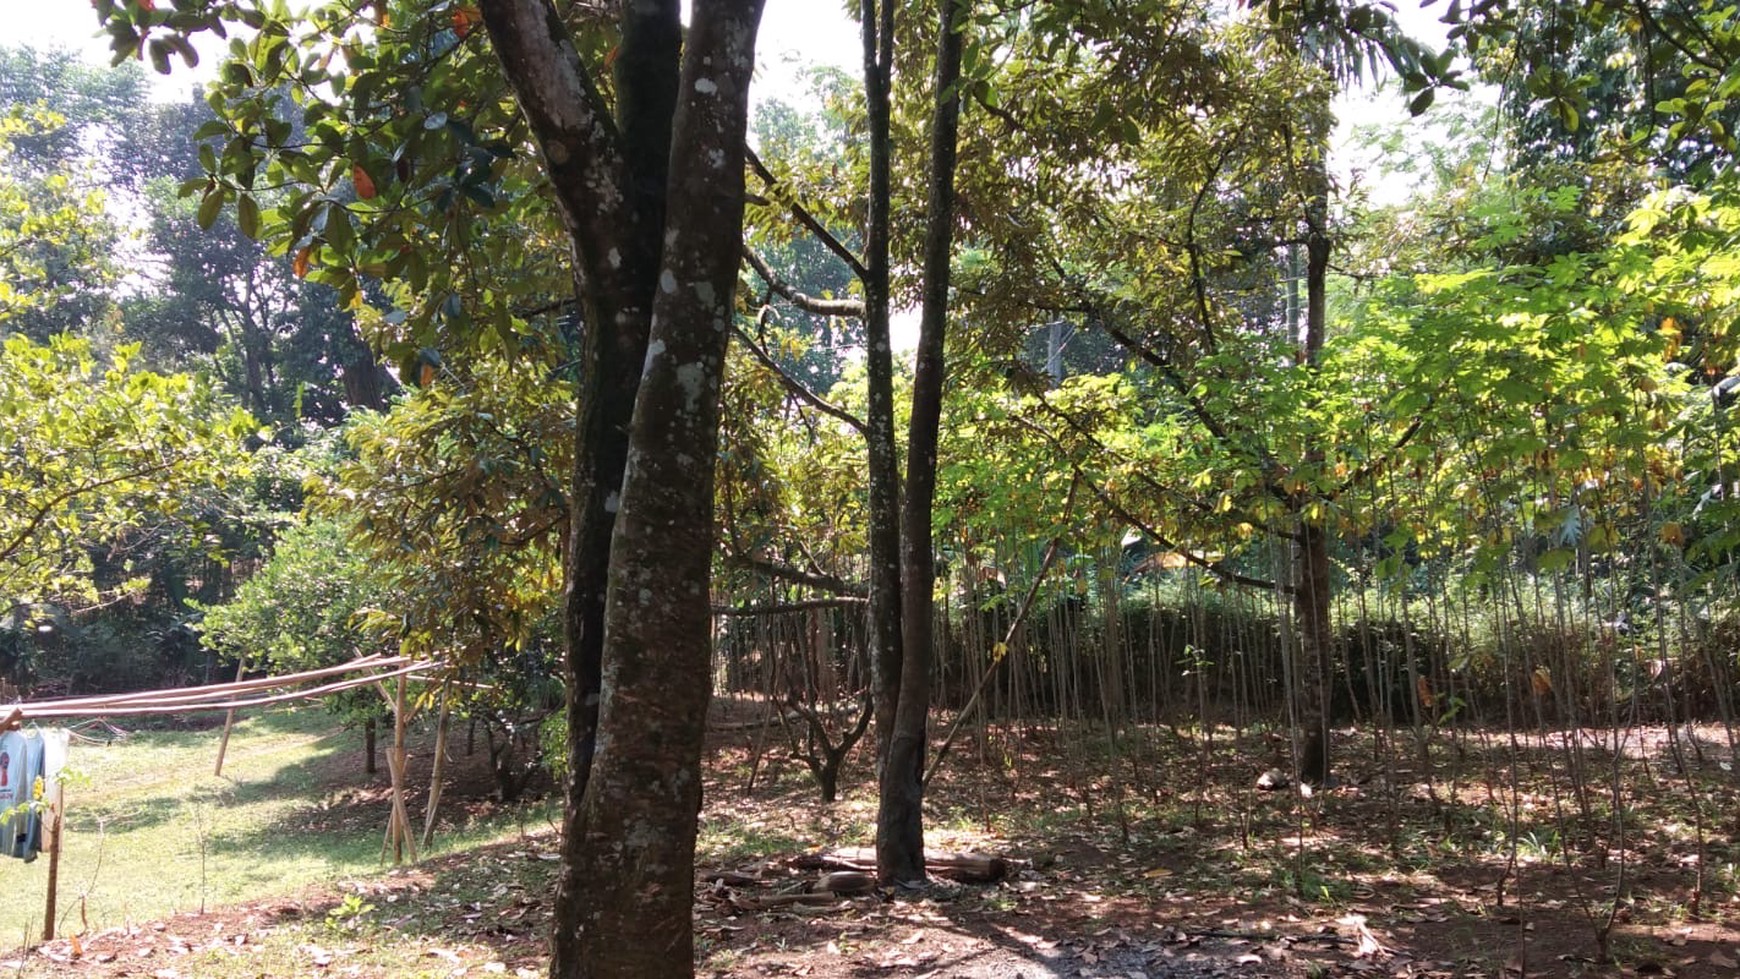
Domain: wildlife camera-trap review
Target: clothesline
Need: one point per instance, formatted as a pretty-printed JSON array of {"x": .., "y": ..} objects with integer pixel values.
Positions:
[
  {"x": 216, "y": 696},
  {"x": 369, "y": 670}
]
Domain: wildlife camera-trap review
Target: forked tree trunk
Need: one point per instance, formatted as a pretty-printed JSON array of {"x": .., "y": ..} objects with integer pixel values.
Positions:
[
  {"x": 610, "y": 183},
  {"x": 900, "y": 811},
  {"x": 644, "y": 793}
]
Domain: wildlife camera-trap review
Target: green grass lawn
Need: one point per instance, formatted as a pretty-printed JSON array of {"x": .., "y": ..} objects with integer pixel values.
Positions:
[{"x": 151, "y": 831}]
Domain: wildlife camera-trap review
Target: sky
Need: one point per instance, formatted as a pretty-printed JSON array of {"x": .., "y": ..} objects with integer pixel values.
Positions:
[{"x": 793, "y": 33}]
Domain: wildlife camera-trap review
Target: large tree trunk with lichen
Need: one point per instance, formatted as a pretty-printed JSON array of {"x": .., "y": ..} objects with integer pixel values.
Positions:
[
  {"x": 900, "y": 810},
  {"x": 644, "y": 793},
  {"x": 612, "y": 180}
]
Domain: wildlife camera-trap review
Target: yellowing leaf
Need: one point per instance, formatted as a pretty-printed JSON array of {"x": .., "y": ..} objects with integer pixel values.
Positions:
[
  {"x": 465, "y": 20},
  {"x": 299, "y": 264},
  {"x": 365, "y": 184}
]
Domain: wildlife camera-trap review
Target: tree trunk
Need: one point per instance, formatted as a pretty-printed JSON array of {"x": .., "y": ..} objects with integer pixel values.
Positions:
[
  {"x": 1311, "y": 600},
  {"x": 644, "y": 793},
  {"x": 365, "y": 384},
  {"x": 900, "y": 812},
  {"x": 1311, "y": 613},
  {"x": 638, "y": 819},
  {"x": 610, "y": 182},
  {"x": 882, "y": 460},
  {"x": 369, "y": 766}
]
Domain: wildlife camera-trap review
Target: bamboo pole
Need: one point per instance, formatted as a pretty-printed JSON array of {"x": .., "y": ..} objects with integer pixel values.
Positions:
[
  {"x": 229, "y": 720},
  {"x": 99, "y": 710},
  {"x": 207, "y": 692},
  {"x": 438, "y": 769},
  {"x": 51, "y": 826}
]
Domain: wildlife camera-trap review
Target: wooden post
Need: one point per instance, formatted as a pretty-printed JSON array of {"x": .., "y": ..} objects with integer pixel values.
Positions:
[
  {"x": 399, "y": 839},
  {"x": 229, "y": 718},
  {"x": 52, "y": 821},
  {"x": 438, "y": 769}
]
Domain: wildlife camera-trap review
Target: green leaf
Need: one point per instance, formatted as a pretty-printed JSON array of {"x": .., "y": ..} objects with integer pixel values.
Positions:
[
  {"x": 209, "y": 207},
  {"x": 248, "y": 215}
]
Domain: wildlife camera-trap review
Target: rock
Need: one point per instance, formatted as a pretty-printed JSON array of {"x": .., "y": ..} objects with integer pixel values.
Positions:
[{"x": 1273, "y": 780}]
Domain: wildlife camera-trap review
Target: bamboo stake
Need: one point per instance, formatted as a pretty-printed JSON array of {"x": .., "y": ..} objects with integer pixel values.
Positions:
[
  {"x": 51, "y": 825},
  {"x": 438, "y": 769},
  {"x": 398, "y": 839},
  {"x": 229, "y": 720}
]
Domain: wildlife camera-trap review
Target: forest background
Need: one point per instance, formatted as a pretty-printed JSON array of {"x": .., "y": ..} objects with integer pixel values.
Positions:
[{"x": 339, "y": 356}]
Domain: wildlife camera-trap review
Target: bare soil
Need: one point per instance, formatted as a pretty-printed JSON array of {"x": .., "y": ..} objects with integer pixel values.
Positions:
[{"x": 1149, "y": 854}]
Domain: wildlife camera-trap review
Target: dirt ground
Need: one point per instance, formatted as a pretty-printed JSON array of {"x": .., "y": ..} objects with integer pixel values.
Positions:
[{"x": 1145, "y": 855}]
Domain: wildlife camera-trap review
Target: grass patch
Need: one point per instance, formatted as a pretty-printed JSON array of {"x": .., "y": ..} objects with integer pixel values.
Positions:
[{"x": 152, "y": 832}]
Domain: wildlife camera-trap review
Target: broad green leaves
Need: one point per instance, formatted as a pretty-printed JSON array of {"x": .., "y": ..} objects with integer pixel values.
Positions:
[
  {"x": 55, "y": 238},
  {"x": 92, "y": 452},
  {"x": 373, "y": 145},
  {"x": 456, "y": 500}
]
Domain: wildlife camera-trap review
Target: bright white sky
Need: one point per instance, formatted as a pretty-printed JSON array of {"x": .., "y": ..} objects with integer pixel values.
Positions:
[{"x": 793, "y": 33}]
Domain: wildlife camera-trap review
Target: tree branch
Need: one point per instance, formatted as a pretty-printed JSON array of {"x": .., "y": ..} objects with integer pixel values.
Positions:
[
  {"x": 48, "y": 506},
  {"x": 803, "y": 301},
  {"x": 797, "y": 388},
  {"x": 837, "y": 601},
  {"x": 783, "y": 572},
  {"x": 809, "y": 220}
]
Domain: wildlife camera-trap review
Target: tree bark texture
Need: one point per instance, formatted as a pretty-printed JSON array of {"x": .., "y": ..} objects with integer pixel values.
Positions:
[
  {"x": 1311, "y": 601},
  {"x": 609, "y": 177},
  {"x": 1311, "y": 613},
  {"x": 900, "y": 812},
  {"x": 877, "y": 18},
  {"x": 638, "y": 824}
]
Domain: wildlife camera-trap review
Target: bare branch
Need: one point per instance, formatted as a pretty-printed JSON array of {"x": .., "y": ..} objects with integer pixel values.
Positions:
[
  {"x": 838, "y": 601},
  {"x": 797, "y": 388},
  {"x": 803, "y": 301},
  {"x": 809, "y": 220}
]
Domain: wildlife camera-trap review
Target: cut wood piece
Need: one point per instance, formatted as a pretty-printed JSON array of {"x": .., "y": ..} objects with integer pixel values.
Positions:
[
  {"x": 763, "y": 902},
  {"x": 966, "y": 868},
  {"x": 734, "y": 878},
  {"x": 846, "y": 882}
]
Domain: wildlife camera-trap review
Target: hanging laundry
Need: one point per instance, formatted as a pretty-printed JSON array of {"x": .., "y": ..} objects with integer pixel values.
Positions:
[{"x": 30, "y": 765}]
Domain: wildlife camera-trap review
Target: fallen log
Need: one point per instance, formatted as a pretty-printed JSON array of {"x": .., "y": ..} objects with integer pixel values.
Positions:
[
  {"x": 965, "y": 868},
  {"x": 764, "y": 902}
]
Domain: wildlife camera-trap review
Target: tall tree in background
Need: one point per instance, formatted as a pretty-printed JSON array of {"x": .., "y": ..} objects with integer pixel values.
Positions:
[
  {"x": 900, "y": 810},
  {"x": 57, "y": 242}
]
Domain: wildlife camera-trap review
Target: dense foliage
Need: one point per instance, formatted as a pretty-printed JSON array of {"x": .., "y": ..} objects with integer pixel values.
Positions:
[{"x": 1214, "y": 428}]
